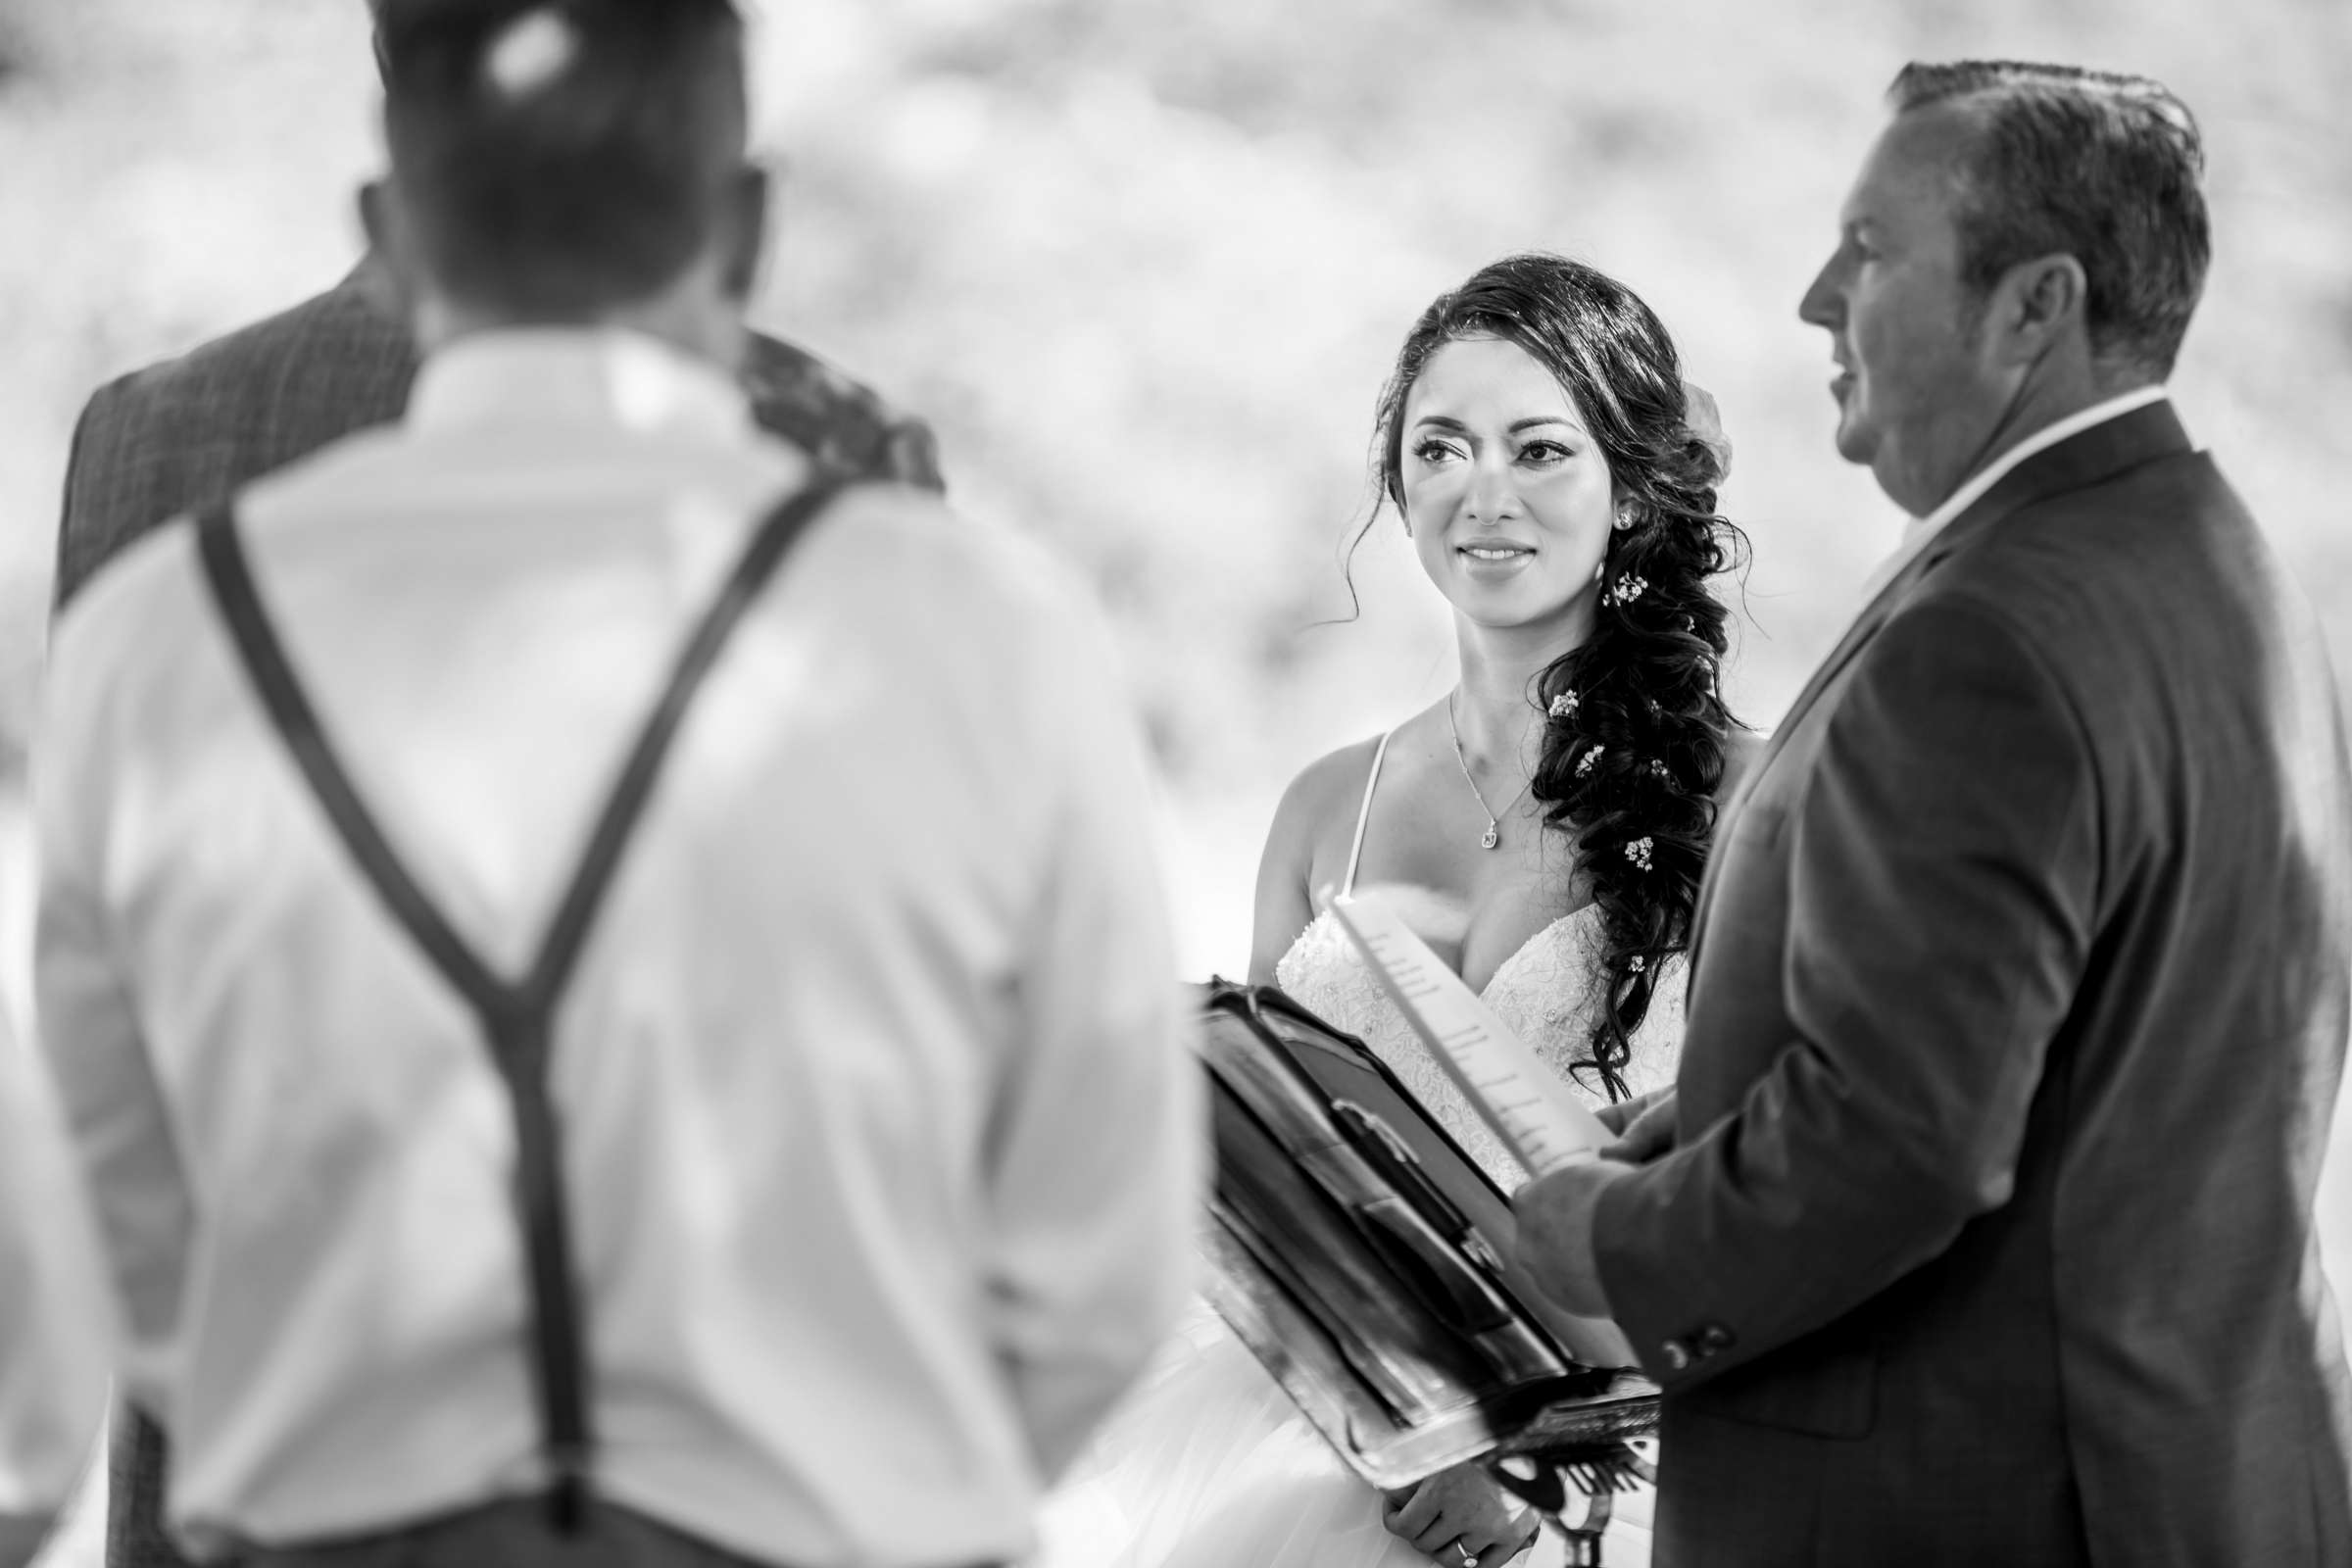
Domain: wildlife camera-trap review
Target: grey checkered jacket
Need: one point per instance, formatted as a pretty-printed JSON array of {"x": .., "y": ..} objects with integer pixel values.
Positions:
[{"x": 188, "y": 432}]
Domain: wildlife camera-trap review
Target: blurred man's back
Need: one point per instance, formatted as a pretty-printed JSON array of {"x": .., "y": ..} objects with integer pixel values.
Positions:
[
  {"x": 190, "y": 431},
  {"x": 877, "y": 1137},
  {"x": 52, "y": 1347}
]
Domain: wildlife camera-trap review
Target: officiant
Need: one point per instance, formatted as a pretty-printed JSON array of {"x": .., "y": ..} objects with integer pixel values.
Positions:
[{"x": 2019, "y": 992}]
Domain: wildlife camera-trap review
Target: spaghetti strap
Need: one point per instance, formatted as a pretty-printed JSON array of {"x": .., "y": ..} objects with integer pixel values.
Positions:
[{"x": 1363, "y": 815}]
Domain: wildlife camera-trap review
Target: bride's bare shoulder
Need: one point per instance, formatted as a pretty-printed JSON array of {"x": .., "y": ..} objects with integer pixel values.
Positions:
[
  {"x": 1334, "y": 778},
  {"x": 1321, "y": 801},
  {"x": 1307, "y": 845}
]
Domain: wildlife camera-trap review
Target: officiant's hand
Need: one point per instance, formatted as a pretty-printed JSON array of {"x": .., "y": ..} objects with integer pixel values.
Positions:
[
  {"x": 1463, "y": 1517},
  {"x": 1644, "y": 1127},
  {"x": 1556, "y": 1233}
]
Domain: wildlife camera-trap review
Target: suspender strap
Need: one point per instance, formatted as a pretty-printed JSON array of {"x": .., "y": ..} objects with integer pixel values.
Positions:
[{"x": 516, "y": 1018}]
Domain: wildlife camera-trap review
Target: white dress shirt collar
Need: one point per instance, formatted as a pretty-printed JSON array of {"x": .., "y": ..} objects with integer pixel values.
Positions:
[{"x": 571, "y": 376}]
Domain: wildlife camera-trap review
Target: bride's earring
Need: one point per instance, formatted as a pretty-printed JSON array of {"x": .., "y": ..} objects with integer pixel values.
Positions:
[{"x": 1625, "y": 517}]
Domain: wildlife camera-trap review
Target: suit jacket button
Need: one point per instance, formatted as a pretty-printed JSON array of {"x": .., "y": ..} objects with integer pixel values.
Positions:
[
  {"x": 1675, "y": 1354},
  {"x": 1714, "y": 1338}
]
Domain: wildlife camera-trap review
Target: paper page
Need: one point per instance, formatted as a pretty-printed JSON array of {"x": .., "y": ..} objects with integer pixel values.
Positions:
[{"x": 1538, "y": 1117}]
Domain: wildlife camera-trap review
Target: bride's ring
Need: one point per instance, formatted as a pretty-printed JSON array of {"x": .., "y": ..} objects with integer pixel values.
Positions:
[{"x": 1469, "y": 1558}]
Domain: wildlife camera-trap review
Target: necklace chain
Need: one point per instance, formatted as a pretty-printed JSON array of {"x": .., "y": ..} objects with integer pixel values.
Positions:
[{"x": 1494, "y": 834}]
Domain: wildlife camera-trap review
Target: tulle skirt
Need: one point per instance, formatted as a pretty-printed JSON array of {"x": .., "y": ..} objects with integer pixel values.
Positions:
[{"x": 1207, "y": 1464}]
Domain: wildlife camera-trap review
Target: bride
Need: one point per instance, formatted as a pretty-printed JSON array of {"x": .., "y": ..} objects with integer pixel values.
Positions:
[{"x": 1543, "y": 826}]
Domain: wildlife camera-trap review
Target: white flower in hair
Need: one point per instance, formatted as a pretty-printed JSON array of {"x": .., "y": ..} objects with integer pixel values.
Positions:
[
  {"x": 1638, "y": 851},
  {"x": 535, "y": 49},
  {"x": 1563, "y": 706},
  {"x": 1626, "y": 590},
  {"x": 1587, "y": 762},
  {"x": 1702, "y": 422}
]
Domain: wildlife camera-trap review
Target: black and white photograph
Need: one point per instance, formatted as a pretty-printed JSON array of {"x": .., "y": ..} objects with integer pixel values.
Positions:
[{"x": 1116, "y": 784}]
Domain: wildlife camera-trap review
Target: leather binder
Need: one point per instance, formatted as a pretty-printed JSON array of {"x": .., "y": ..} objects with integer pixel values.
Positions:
[{"x": 1364, "y": 1258}]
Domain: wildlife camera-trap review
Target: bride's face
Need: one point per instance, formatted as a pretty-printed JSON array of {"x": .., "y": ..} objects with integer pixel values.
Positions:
[{"x": 1507, "y": 493}]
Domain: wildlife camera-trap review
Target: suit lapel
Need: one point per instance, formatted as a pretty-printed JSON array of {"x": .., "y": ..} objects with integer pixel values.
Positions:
[
  {"x": 2087, "y": 457},
  {"x": 1865, "y": 626}
]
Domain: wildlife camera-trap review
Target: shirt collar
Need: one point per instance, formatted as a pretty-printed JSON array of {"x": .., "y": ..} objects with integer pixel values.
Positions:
[
  {"x": 572, "y": 376},
  {"x": 1968, "y": 495}
]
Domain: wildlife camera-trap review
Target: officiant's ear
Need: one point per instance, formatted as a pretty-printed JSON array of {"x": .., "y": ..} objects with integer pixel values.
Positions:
[
  {"x": 743, "y": 233},
  {"x": 394, "y": 274},
  {"x": 375, "y": 38},
  {"x": 2035, "y": 305}
]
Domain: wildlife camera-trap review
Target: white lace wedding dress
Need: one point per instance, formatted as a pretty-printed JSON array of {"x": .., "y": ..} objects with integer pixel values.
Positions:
[{"x": 1206, "y": 1463}]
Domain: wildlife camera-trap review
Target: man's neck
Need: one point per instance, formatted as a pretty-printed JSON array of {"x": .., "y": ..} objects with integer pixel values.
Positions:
[
  {"x": 686, "y": 324},
  {"x": 2037, "y": 407},
  {"x": 2028, "y": 446}
]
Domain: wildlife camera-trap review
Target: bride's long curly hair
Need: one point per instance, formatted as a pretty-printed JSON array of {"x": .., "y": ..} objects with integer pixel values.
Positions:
[{"x": 1635, "y": 719}]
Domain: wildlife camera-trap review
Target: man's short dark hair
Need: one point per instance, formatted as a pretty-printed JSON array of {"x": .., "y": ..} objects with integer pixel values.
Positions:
[
  {"x": 561, "y": 157},
  {"x": 2096, "y": 165}
]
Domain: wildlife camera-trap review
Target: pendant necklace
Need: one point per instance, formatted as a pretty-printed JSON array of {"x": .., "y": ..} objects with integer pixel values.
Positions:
[{"x": 1494, "y": 834}]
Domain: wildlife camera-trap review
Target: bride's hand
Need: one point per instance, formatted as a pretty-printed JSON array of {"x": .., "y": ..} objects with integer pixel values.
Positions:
[
  {"x": 1463, "y": 1517},
  {"x": 22, "y": 1537}
]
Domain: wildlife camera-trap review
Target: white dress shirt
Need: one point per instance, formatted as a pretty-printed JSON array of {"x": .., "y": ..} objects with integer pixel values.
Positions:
[
  {"x": 1919, "y": 530},
  {"x": 53, "y": 1314},
  {"x": 882, "y": 1135}
]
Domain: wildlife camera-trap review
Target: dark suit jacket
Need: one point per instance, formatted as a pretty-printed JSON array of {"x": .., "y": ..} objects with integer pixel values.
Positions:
[
  {"x": 2016, "y": 1012},
  {"x": 181, "y": 435}
]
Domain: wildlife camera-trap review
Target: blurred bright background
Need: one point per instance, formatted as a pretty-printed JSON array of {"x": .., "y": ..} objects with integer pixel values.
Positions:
[{"x": 1143, "y": 263}]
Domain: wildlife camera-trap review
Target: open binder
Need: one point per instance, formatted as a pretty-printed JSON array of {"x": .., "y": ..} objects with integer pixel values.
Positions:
[{"x": 1366, "y": 1260}]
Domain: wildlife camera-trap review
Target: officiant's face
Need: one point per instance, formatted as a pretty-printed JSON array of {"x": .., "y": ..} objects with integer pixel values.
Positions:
[
  {"x": 1915, "y": 396},
  {"x": 1508, "y": 495}
]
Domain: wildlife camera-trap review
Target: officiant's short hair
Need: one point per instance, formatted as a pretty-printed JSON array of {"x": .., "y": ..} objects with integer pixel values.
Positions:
[
  {"x": 2098, "y": 165},
  {"x": 561, "y": 154}
]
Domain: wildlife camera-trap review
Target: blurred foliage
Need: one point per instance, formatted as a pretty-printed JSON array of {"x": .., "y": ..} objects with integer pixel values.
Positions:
[{"x": 1145, "y": 264}]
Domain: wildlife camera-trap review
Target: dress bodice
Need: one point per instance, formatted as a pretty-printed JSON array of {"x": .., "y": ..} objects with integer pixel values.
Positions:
[
  {"x": 1549, "y": 993},
  {"x": 1209, "y": 1463}
]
